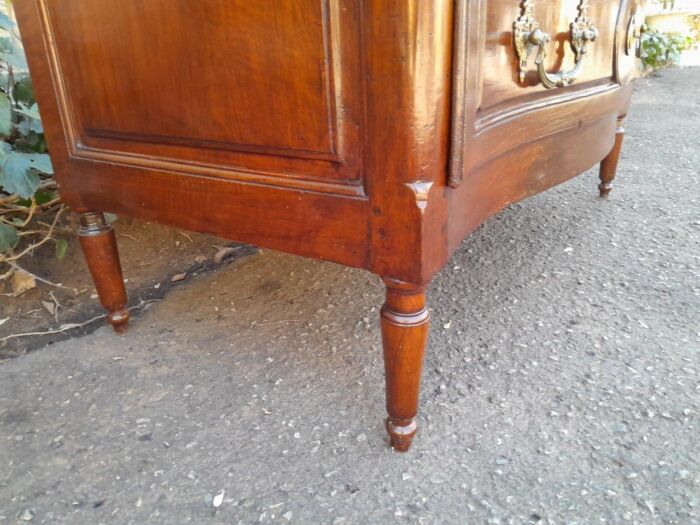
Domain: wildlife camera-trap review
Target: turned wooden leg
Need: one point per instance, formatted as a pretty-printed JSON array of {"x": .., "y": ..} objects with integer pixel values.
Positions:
[
  {"x": 608, "y": 167},
  {"x": 100, "y": 248},
  {"x": 405, "y": 321}
]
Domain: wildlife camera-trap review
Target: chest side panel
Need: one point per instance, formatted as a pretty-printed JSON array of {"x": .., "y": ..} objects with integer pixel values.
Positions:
[{"x": 268, "y": 86}]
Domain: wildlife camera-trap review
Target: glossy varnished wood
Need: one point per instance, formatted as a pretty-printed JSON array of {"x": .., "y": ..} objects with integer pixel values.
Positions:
[
  {"x": 501, "y": 92},
  {"x": 405, "y": 320},
  {"x": 608, "y": 166},
  {"x": 100, "y": 248},
  {"x": 494, "y": 112},
  {"x": 231, "y": 99},
  {"x": 373, "y": 133}
]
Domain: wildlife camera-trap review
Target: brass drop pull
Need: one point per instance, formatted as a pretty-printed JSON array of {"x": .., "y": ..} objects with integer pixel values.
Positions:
[{"x": 528, "y": 35}]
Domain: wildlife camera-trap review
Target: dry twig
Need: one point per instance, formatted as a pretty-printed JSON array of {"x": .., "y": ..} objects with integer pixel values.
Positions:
[
  {"x": 31, "y": 230},
  {"x": 71, "y": 326}
]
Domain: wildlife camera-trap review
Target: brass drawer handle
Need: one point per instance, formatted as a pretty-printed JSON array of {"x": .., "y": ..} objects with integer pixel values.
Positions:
[{"x": 527, "y": 34}]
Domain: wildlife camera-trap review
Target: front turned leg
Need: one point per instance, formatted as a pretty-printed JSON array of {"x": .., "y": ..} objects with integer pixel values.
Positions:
[
  {"x": 608, "y": 166},
  {"x": 405, "y": 322},
  {"x": 100, "y": 248}
]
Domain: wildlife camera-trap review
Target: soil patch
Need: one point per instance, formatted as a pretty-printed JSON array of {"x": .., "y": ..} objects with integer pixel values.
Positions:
[{"x": 154, "y": 259}]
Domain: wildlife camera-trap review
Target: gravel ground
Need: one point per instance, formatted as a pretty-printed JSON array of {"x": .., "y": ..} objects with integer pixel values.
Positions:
[{"x": 561, "y": 383}]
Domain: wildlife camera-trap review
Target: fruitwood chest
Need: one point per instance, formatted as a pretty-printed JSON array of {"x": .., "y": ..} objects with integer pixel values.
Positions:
[{"x": 373, "y": 133}]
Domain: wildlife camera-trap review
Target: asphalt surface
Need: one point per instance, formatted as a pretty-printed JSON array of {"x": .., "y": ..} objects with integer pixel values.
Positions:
[{"x": 561, "y": 383}]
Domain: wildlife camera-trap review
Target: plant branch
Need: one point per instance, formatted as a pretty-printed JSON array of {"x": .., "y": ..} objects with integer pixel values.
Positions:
[
  {"x": 71, "y": 326},
  {"x": 37, "y": 244}
]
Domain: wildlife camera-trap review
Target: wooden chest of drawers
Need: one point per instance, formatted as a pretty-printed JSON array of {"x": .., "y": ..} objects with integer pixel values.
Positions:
[{"x": 373, "y": 133}]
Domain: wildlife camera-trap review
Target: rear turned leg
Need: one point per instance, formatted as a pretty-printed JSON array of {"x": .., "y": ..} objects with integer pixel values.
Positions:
[
  {"x": 100, "y": 248},
  {"x": 608, "y": 166}
]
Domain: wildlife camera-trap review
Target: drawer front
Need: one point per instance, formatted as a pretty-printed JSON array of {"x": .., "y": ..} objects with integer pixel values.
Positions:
[
  {"x": 235, "y": 87},
  {"x": 499, "y": 91},
  {"x": 501, "y": 102}
]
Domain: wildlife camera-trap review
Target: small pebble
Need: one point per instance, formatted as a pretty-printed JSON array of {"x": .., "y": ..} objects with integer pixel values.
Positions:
[{"x": 218, "y": 499}]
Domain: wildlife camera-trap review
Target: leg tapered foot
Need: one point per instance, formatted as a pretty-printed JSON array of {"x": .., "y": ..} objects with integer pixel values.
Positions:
[
  {"x": 405, "y": 321},
  {"x": 100, "y": 249},
  {"x": 608, "y": 167}
]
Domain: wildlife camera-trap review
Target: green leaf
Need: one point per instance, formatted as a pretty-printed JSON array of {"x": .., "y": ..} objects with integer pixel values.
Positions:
[
  {"x": 16, "y": 59},
  {"x": 42, "y": 197},
  {"x": 5, "y": 22},
  {"x": 26, "y": 203},
  {"x": 41, "y": 162},
  {"x": 5, "y": 44},
  {"x": 31, "y": 120},
  {"x": 8, "y": 237},
  {"x": 61, "y": 248},
  {"x": 36, "y": 126},
  {"x": 17, "y": 175},
  {"x": 23, "y": 127},
  {"x": 24, "y": 92},
  {"x": 36, "y": 142},
  {"x": 32, "y": 111},
  {"x": 5, "y": 115},
  {"x": 31, "y": 143},
  {"x": 662, "y": 49}
]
